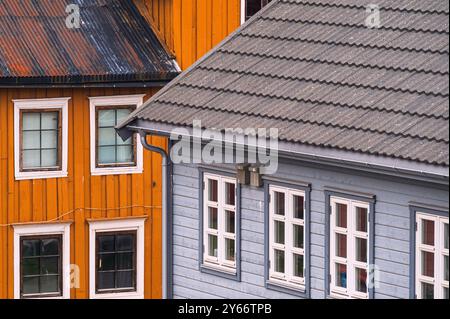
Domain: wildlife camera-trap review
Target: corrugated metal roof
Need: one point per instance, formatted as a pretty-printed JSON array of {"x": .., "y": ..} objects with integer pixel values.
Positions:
[
  {"x": 114, "y": 44},
  {"x": 312, "y": 69}
]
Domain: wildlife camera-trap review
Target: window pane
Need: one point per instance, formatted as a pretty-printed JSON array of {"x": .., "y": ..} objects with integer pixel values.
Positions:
[
  {"x": 106, "y": 136},
  {"x": 49, "y": 284},
  {"x": 49, "y": 247},
  {"x": 213, "y": 215},
  {"x": 49, "y": 139},
  {"x": 125, "y": 261},
  {"x": 122, "y": 114},
  {"x": 341, "y": 275},
  {"x": 446, "y": 293},
  {"x": 125, "y": 279},
  {"x": 31, "y": 247},
  {"x": 446, "y": 236},
  {"x": 105, "y": 280},
  {"x": 49, "y": 265},
  {"x": 341, "y": 245},
  {"x": 427, "y": 264},
  {"x": 125, "y": 242},
  {"x": 129, "y": 141},
  {"x": 31, "y": 121},
  {"x": 299, "y": 207},
  {"x": 107, "y": 262},
  {"x": 230, "y": 194},
  {"x": 279, "y": 261},
  {"x": 279, "y": 203},
  {"x": 49, "y": 120},
  {"x": 49, "y": 158},
  {"x": 341, "y": 215},
  {"x": 230, "y": 222},
  {"x": 361, "y": 219},
  {"x": 31, "y": 140},
  {"x": 30, "y": 285},
  {"x": 106, "y": 155},
  {"x": 106, "y": 243},
  {"x": 427, "y": 291},
  {"x": 125, "y": 154},
  {"x": 30, "y": 266},
  {"x": 31, "y": 159},
  {"x": 279, "y": 232},
  {"x": 212, "y": 240},
  {"x": 106, "y": 118},
  {"x": 361, "y": 250},
  {"x": 298, "y": 236},
  {"x": 230, "y": 249},
  {"x": 298, "y": 265},
  {"x": 213, "y": 192},
  {"x": 428, "y": 232},
  {"x": 446, "y": 268},
  {"x": 361, "y": 280}
]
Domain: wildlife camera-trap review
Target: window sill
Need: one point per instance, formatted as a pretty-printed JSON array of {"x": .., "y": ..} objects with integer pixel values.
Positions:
[
  {"x": 335, "y": 295},
  {"x": 116, "y": 171},
  {"x": 40, "y": 175},
  {"x": 220, "y": 271},
  {"x": 119, "y": 295},
  {"x": 288, "y": 288}
]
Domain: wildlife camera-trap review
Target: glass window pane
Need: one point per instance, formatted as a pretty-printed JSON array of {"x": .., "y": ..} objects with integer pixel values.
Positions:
[
  {"x": 213, "y": 192},
  {"x": 428, "y": 232},
  {"x": 49, "y": 158},
  {"x": 106, "y": 155},
  {"x": 427, "y": 291},
  {"x": 30, "y": 266},
  {"x": 50, "y": 246},
  {"x": 446, "y": 293},
  {"x": 279, "y": 199},
  {"x": 31, "y": 121},
  {"x": 129, "y": 141},
  {"x": 49, "y": 265},
  {"x": 49, "y": 120},
  {"x": 446, "y": 236},
  {"x": 107, "y": 262},
  {"x": 341, "y": 275},
  {"x": 125, "y": 154},
  {"x": 361, "y": 250},
  {"x": 341, "y": 245},
  {"x": 427, "y": 264},
  {"x": 230, "y": 222},
  {"x": 212, "y": 243},
  {"x": 105, "y": 280},
  {"x": 298, "y": 266},
  {"x": 125, "y": 279},
  {"x": 106, "y": 136},
  {"x": 230, "y": 194},
  {"x": 361, "y": 219},
  {"x": 125, "y": 261},
  {"x": 279, "y": 261},
  {"x": 31, "y": 140},
  {"x": 106, "y": 118},
  {"x": 122, "y": 114},
  {"x": 106, "y": 243},
  {"x": 230, "y": 249},
  {"x": 361, "y": 280},
  {"x": 298, "y": 236},
  {"x": 30, "y": 285},
  {"x": 49, "y": 284},
  {"x": 31, "y": 247},
  {"x": 299, "y": 204},
  {"x": 279, "y": 232},
  {"x": 341, "y": 215},
  {"x": 212, "y": 219},
  {"x": 31, "y": 159},
  {"x": 125, "y": 242},
  {"x": 446, "y": 268},
  {"x": 49, "y": 139}
]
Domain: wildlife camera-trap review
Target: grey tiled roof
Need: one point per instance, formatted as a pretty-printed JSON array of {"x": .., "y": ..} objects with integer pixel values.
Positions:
[{"x": 314, "y": 70}]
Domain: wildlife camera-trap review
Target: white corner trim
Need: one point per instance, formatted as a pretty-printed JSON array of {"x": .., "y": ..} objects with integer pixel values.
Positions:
[
  {"x": 36, "y": 104},
  {"x": 40, "y": 230},
  {"x": 119, "y": 225},
  {"x": 243, "y": 5},
  {"x": 116, "y": 100}
]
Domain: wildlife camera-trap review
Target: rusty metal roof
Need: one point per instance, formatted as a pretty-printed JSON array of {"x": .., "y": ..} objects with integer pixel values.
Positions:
[
  {"x": 114, "y": 45},
  {"x": 315, "y": 71}
]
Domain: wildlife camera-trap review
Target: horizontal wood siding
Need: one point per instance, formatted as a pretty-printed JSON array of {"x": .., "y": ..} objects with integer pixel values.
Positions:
[
  {"x": 33, "y": 201},
  {"x": 391, "y": 228}
]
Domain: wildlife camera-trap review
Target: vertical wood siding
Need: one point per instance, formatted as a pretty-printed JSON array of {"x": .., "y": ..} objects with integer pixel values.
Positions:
[{"x": 45, "y": 200}]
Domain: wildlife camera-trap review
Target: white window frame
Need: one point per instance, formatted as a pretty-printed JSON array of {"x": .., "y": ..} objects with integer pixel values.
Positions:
[
  {"x": 439, "y": 252},
  {"x": 220, "y": 263},
  {"x": 350, "y": 262},
  {"x": 287, "y": 278},
  {"x": 118, "y": 225},
  {"x": 118, "y": 100},
  {"x": 44, "y": 230},
  {"x": 61, "y": 104},
  {"x": 244, "y": 10}
]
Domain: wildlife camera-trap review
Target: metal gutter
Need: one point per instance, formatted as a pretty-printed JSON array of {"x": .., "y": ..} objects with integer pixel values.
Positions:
[{"x": 144, "y": 84}]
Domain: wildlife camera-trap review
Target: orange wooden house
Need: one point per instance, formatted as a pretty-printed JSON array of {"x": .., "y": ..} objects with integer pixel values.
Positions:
[{"x": 80, "y": 210}]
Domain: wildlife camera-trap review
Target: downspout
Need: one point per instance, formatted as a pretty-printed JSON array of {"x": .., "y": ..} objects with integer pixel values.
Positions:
[{"x": 164, "y": 210}]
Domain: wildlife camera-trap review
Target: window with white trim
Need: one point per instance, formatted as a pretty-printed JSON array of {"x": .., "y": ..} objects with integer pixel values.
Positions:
[
  {"x": 109, "y": 153},
  {"x": 432, "y": 268},
  {"x": 287, "y": 236},
  {"x": 251, "y": 7},
  {"x": 219, "y": 222},
  {"x": 40, "y": 138},
  {"x": 349, "y": 247}
]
